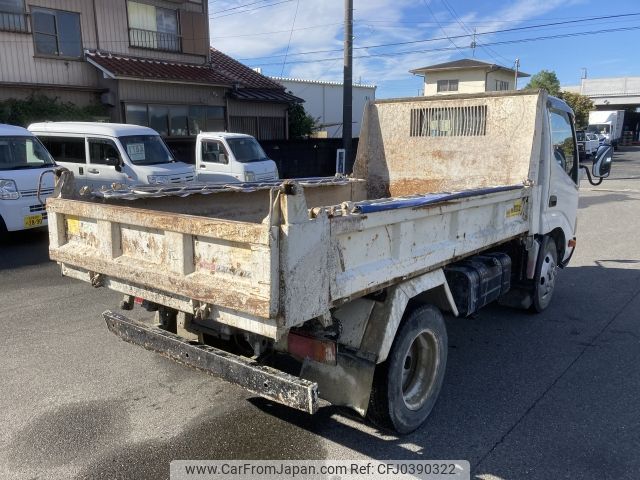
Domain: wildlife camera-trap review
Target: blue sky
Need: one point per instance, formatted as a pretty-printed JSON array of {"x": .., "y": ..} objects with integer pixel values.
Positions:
[{"x": 278, "y": 36}]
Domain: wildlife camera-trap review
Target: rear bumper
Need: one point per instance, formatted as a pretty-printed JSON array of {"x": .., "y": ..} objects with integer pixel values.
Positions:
[{"x": 259, "y": 379}]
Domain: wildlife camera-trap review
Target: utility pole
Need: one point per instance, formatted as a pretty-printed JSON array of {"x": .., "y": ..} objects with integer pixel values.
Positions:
[
  {"x": 517, "y": 65},
  {"x": 347, "y": 89}
]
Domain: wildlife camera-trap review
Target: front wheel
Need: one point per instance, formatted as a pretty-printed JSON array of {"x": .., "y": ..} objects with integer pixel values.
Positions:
[
  {"x": 407, "y": 384},
  {"x": 545, "y": 276}
]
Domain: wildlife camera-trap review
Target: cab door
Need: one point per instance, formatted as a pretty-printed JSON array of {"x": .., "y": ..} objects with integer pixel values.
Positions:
[
  {"x": 215, "y": 163},
  {"x": 562, "y": 201},
  {"x": 99, "y": 172}
]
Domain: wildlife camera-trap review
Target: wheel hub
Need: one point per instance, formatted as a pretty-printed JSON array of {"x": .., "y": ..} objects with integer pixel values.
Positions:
[
  {"x": 419, "y": 370},
  {"x": 548, "y": 276}
]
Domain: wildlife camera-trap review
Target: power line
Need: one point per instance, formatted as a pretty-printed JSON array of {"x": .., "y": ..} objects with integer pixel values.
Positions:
[
  {"x": 293, "y": 24},
  {"x": 250, "y": 9},
  {"x": 239, "y": 6},
  {"x": 280, "y": 31},
  {"x": 439, "y": 25},
  {"x": 413, "y": 42},
  {"x": 445, "y": 49}
]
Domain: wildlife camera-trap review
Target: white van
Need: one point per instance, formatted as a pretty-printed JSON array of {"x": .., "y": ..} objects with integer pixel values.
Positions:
[
  {"x": 232, "y": 157},
  {"x": 25, "y": 167},
  {"x": 100, "y": 154}
]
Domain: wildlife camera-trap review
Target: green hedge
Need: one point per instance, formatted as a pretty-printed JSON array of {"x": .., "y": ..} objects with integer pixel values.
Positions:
[{"x": 40, "y": 108}]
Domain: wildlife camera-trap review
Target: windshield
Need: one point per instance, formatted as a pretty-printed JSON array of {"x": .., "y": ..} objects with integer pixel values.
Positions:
[
  {"x": 246, "y": 149},
  {"x": 19, "y": 153},
  {"x": 602, "y": 128},
  {"x": 146, "y": 149},
  {"x": 580, "y": 135}
]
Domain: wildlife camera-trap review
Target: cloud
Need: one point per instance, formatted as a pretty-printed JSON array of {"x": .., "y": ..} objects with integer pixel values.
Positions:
[{"x": 260, "y": 37}]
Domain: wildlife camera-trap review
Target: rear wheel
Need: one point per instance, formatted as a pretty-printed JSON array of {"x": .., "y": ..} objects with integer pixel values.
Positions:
[
  {"x": 545, "y": 277},
  {"x": 407, "y": 384},
  {"x": 4, "y": 233}
]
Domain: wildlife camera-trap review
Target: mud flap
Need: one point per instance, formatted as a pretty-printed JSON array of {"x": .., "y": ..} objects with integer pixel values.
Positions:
[
  {"x": 348, "y": 383},
  {"x": 245, "y": 372}
]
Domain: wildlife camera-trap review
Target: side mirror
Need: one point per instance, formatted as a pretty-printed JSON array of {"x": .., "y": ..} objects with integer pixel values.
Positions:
[
  {"x": 602, "y": 163},
  {"x": 112, "y": 161}
]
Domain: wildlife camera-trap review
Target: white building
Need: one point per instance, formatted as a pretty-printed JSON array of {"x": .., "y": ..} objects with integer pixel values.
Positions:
[
  {"x": 467, "y": 76},
  {"x": 323, "y": 101},
  {"x": 613, "y": 93}
]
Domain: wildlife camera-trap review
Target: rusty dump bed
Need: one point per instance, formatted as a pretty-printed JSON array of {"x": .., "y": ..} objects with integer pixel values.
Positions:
[{"x": 437, "y": 179}]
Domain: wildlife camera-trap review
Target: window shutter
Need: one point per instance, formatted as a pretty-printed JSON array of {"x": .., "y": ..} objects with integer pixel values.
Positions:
[{"x": 194, "y": 33}]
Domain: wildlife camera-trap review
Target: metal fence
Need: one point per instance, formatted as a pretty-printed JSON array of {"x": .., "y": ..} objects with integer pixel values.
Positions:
[{"x": 155, "y": 40}]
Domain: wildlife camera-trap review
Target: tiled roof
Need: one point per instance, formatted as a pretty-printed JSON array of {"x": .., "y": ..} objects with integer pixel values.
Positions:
[
  {"x": 239, "y": 72},
  {"x": 464, "y": 63},
  {"x": 120, "y": 66},
  {"x": 224, "y": 71}
]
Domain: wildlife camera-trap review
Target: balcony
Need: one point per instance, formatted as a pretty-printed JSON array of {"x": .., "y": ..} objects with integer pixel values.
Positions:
[
  {"x": 14, "y": 22},
  {"x": 168, "y": 42}
]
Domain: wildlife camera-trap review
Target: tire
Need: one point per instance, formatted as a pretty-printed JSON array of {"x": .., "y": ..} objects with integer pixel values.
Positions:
[
  {"x": 4, "y": 233},
  {"x": 407, "y": 384},
  {"x": 545, "y": 276}
]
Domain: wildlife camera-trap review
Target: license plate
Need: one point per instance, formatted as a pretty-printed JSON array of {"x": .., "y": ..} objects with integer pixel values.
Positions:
[{"x": 33, "y": 220}]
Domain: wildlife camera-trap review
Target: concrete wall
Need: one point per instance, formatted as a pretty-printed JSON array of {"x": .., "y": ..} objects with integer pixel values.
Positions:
[{"x": 323, "y": 101}]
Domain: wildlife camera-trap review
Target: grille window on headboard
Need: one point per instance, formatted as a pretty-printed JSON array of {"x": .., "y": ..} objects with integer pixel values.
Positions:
[{"x": 469, "y": 121}]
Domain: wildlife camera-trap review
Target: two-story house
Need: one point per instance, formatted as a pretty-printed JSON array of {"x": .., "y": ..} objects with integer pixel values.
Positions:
[
  {"x": 147, "y": 61},
  {"x": 467, "y": 76}
]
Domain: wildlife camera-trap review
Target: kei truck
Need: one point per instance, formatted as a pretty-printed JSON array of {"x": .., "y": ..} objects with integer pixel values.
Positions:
[{"x": 335, "y": 288}]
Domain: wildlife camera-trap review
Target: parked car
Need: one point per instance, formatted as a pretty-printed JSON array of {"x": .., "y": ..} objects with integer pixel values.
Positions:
[
  {"x": 26, "y": 170},
  {"x": 592, "y": 143},
  {"x": 232, "y": 157},
  {"x": 101, "y": 154}
]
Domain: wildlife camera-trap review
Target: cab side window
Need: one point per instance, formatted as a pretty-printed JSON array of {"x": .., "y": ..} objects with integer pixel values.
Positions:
[
  {"x": 214, "y": 152},
  {"x": 100, "y": 149},
  {"x": 564, "y": 148}
]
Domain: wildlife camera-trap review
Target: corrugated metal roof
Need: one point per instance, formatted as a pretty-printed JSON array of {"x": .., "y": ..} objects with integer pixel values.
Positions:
[
  {"x": 320, "y": 82},
  {"x": 120, "y": 66},
  {"x": 265, "y": 95}
]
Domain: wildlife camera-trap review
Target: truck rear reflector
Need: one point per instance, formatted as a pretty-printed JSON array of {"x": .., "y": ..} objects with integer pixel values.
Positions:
[{"x": 303, "y": 346}]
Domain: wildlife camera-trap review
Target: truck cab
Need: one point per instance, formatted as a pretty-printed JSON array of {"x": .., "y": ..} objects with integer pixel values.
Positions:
[
  {"x": 26, "y": 180},
  {"x": 101, "y": 154},
  {"x": 231, "y": 158}
]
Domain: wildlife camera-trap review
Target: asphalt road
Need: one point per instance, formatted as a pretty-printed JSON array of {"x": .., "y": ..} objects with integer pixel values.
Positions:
[{"x": 526, "y": 396}]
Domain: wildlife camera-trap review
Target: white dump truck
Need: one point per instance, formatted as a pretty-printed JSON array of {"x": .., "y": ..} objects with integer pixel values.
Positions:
[{"x": 335, "y": 288}]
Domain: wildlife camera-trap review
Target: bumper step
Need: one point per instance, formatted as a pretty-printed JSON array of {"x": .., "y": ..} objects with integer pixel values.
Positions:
[{"x": 245, "y": 372}]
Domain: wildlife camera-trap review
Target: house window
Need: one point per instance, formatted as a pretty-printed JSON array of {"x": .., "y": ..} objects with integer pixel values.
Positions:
[
  {"x": 447, "y": 85},
  {"x": 176, "y": 120},
  {"x": 153, "y": 27},
  {"x": 502, "y": 85},
  {"x": 57, "y": 33},
  {"x": 12, "y": 16}
]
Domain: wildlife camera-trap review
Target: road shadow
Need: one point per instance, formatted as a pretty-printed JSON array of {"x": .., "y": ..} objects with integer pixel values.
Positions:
[
  {"x": 24, "y": 248},
  {"x": 586, "y": 202},
  {"x": 500, "y": 363}
]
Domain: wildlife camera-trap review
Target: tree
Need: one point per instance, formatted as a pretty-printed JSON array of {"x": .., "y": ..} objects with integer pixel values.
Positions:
[
  {"x": 301, "y": 124},
  {"x": 546, "y": 79},
  {"x": 581, "y": 106}
]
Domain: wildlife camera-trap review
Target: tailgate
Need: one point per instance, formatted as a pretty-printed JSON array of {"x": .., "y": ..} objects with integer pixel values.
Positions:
[{"x": 223, "y": 263}]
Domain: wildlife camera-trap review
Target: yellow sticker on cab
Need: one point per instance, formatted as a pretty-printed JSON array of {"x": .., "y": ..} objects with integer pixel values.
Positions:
[
  {"x": 516, "y": 210},
  {"x": 73, "y": 225}
]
